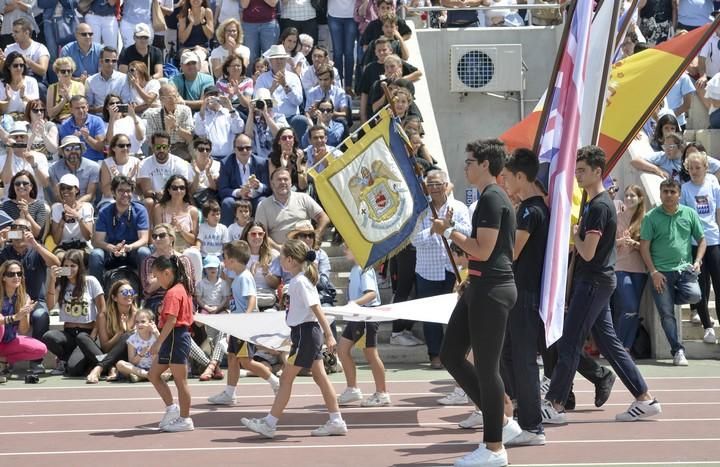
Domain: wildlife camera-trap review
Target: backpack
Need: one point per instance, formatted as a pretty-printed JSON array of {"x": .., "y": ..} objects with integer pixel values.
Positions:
[
  {"x": 123, "y": 272},
  {"x": 170, "y": 70}
]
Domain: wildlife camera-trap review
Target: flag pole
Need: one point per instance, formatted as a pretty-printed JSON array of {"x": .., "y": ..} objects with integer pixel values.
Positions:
[
  {"x": 622, "y": 32},
  {"x": 418, "y": 172}
]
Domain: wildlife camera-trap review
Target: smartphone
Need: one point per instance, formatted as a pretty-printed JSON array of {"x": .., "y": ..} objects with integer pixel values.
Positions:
[
  {"x": 15, "y": 235},
  {"x": 122, "y": 108},
  {"x": 63, "y": 271},
  {"x": 19, "y": 145}
]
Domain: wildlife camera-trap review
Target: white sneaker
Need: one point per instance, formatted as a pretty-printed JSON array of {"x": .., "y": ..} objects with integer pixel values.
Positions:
[
  {"x": 550, "y": 415},
  {"x": 412, "y": 337},
  {"x": 457, "y": 397},
  {"x": 510, "y": 430},
  {"x": 526, "y": 438},
  {"x": 638, "y": 410},
  {"x": 350, "y": 395},
  {"x": 679, "y": 358},
  {"x": 331, "y": 428},
  {"x": 179, "y": 424},
  {"x": 222, "y": 399},
  {"x": 259, "y": 426},
  {"x": 484, "y": 457},
  {"x": 172, "y": 412},
  {"x": 544, "y": 386},
  {"x": 695, "y": 318},
  {"x": 709, "y": 337},
  {"x": 59, "y": 369},
  {"x": 401, "y": 339},
  {"x": 274, "y": 382},
  {"x": 378, "y": 399},
  {"x": 475, "y": 420}
]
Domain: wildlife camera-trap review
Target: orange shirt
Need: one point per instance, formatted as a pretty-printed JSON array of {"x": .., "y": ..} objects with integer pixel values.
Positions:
[{"x": 178, "y": 303}]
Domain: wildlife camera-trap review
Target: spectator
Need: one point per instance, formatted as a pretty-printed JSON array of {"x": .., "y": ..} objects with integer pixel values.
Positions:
[
  {"x": 234, "y": 84},
  {"x": 344, "y": 33},
  {"x": 114, "y": 327},
  {"x": 206, "y": 171},
  {"x": 122, "y": 119},
  {"x": 72, "y": 220},
  {"x": 19, "y": 158},
  {"x": 691, "y": 14},
  {"x": 107, "y": 81},
  {"x": 630, "y": 270},
  {"x": 36, "y": 54},
  {"x": 89, "y": 128},
  {"x": 319, "y": 58},
  {"x": 218, "y": 121},
  {"x": 230, "y": 37},
  {"x": 300, "y": 15},
  {"x": 140, "y": 50},
  {"x": 263, "y": 123},
  {"x": 139, "y": 359},
  {"x": 23, "y": 203},
  {"x": 261, "y": 257},
  {"x": 375, "y": 29},
  {"x": 227, "y": 9},
  {"x": 259, "y": 26},
  {"x": 665, "y": 163},
  {"x": 242, "y": 176},
  {"x": 212, "y": 234},
  {"x": 322, "y": 116},
  {"x": 702, "y": 194},
  {"x": 80, "y": 299},
  {"x": 175, "y": 208},
  {"x": 43, "y": 133},
  {"x": 172, "y": 117},
  {"x": 213, "y": 297},
  {"x": 72, "y": 162},
  {"x": 666, "y": 124},
  {"x": 294, "y": 206},
  {"x": 135, "y": 31},
  {"x": 12, "y": 11},
  {"x": 121, "y": 231},
  {"x": 680, "y": 97},
  {"x": 17, "y": 89},
  {"x": 190, "y": 83},
  {"x": 289, "y": 39},
  {"x": 285, "y": 88},
  {"x": 693, "y": 147},
  {"x": 318, "y": 148},
  {"x": 157, "y": 169},
  {"x": 15, "y": 311},
  {"x": 103, "y": 22},
  {"x": 666, "y": 250},
  {"x": 656, "y": 19},
  {"x": 389, "y": 31},
  {"x": 145, "y": 89},
  {"x": 502, "y": 16},
  {"x": 326, "y": 90},
  {"x": 708, "y": 60},
  {"x": 195, "y": 24},
  {"x": 59, "y": 94},
  {"x": 286, "y": 153},
  {"x": 434, "y": 272},
  {"x": 118, "y": 162},
  {"x": 243, "y": 216},
  {"x": 463, "y": 18},
  {"x": 84, "y": 52}
]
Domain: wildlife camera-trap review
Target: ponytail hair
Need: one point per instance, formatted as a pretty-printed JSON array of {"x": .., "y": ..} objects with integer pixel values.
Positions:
[
  {"x": 180, "y": 274},
  {"x": 299, "y": 251}
]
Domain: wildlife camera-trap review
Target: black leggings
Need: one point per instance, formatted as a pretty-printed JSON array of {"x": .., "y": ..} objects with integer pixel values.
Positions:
[
  {"x": 116, "y": 353},
  {"x": 402, "y": 270},
  {"x": 709, "y": 274},
  {"x": 478, "y": 321},
  {"x": 74, "y": 346}
]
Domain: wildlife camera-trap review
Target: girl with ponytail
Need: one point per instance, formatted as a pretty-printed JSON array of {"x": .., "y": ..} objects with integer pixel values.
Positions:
[
  {"x": 307, "y": 324},
  {"x": 173, "y": 345}
]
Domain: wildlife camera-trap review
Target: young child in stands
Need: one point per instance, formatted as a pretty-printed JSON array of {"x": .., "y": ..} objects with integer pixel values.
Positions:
[
  {"x": 212, "y": 234},
  {"x": 307, "y": 326},
  {"x": 244, "y": 300},
  {"x": 138, "y": 344},
  {"x": 212, "y": 296},
  {"x": 243, "y": 215},
  {"x": 362, "y": 290}
]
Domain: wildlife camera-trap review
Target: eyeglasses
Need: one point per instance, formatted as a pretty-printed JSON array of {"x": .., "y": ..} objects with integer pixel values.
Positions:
[
  {"x": 18, "y": 65},
  {"x": 72, "y": 147},
  {"x": 287, "y": 137},
  {"x": 123, "y": 145},
  {"x": 65, "y": 72},
  {"x": 326, "y": 111},
  {"x": 128, "y": 293},
  {"x": 86, "y": 34},
  {"x": 669, "y": 146},
  {"x": 161, "y": 147},
  {"x": 203, "y": 149},
  {"x": 13, "y": 274},
  {"x": 243, "y": 148},
  {"x": 64, "y": 187},
  {"x": 21, "y": 183},
  {"x": 435, "y": 185},
  {"x": 157, "y": 236},
  {"x": 306, "y": 235},
  {"x": 256, "y": 234},
  {"x": 178, "y": 187},
  {"x": 123, "y": 191},
  {"x": 39, "y": 111},
  {"x": 110, "y": 60},
  {"x": 470, "y": 161}
]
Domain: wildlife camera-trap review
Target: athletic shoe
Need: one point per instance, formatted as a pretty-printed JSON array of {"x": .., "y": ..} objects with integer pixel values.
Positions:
[
  {"x": 709, "y": 337},
  {"x": 603, "y": 389},
  {"x": 412, "y": 337},
  {"x": 222, "y": 399},
  {"x": 274, "y": 383},
  {"x": 379, "y": 399},
  {"x": 331, "y": 428},
  {"x": 350, "y": 395},
  {"x": 457, "y": 397},
  {"x": 638, "y": 410},
  {"x": 550, "y": 415},
  {"x": 59, "y": 369},
  {"x": 259, "y": 426},
  {"x": 37, "y": 368},
  {"x": 679, "y": 358},
  {"x": 172, "y": 412},
  {"x": 526, "y": 438},
  {"x": 180, "y": 424},
  {"x": 402, "y": 340},
  {"x": 475, "y": 420},
  {"x": 695, "y": 318},
  {"x": 510, "y": 430},
  {"x": 484, "y": 457},
  {"x": 544, "y": 386}
]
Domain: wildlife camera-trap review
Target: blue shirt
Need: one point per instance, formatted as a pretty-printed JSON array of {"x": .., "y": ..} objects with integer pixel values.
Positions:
[
  {"x": 95, "y": 125},
  {"x": 361, "y": 282},
  {"x": 682, "y": 87},
  {"x": 84, "y": 63},
  {"x": 97, "y": 88},
  {"x": 123, "y": 227},
  {"x": 705, "y": 200},
  {"x": 243, "y": 287},
  {"x": 192, "y": 90},
  {"x": 673, "y": 166},
  {"x": 695, "y": 12}
]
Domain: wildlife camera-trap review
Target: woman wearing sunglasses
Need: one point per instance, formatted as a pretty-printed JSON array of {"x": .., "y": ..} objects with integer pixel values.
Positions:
[
  {"x": 23, "y": 203},
  {"x": 15, "y": 312},
  {"x": 59, "y": 94},
  {"x": 43, "y": 132},
  {"x": 118, "y": 162},
  {"x": 122, "y": 120},
  {"x": 114, "y": 327},
  {"x": 17, "y": 88},
  {"x": 145, "y": 90},
  {"x": 71, "y": 221},
  {"x": 175, "y": 208},
  {"x": 261, "y": 256},
  {"x": 287, "y": 153}
]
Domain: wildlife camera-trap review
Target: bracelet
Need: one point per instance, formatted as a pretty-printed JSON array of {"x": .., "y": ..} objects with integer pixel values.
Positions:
[{"x": 654, "y": 272}]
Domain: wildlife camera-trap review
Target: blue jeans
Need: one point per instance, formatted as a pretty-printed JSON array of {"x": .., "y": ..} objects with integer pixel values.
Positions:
[
  {"x": 626, "y": 305},
  {"x": 343, "y": 33},
  {"x": 589, "y": 311},
  {"x": 433, "y": 331},
  {"x": 101, "y": 261},
  {"x": 680, "y": 288},
  {"x": 258, "y": 38}
]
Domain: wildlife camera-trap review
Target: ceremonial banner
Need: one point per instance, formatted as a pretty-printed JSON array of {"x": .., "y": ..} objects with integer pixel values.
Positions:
[{"x": 370, "y": 191}]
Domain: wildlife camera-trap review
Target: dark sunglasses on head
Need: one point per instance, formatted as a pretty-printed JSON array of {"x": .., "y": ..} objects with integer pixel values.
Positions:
[
  {"x": 157, "y": 236},
  {"x": 13, "y": 274}
]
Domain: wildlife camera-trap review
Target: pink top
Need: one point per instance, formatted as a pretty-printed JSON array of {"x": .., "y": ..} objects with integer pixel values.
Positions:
[
  {"x": 628, "y": 259},
  {"x": 370, "y": 15}
]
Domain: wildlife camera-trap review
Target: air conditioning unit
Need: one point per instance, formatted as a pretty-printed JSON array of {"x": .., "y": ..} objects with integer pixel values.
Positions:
[{"x": 486, "y": 68}]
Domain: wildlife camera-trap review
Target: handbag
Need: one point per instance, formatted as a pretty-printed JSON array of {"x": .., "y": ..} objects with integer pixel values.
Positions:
[{"x": 158, "y": 18}]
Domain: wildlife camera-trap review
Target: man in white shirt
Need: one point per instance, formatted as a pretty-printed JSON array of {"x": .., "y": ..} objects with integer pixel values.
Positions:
[
  {"x": 158, "y": 168},
  {"x": 218, "y": 121},
  {"x": 37, "y": 56},
  {"x": 108, "y": 80},
  {"x": 19, "y": 158}
]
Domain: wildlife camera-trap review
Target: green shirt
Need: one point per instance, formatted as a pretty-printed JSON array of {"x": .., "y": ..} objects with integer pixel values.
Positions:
[{"x": 669, "y": 236}]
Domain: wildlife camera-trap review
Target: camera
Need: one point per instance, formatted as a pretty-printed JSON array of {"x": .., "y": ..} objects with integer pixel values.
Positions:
[
  {"x": 15, "y": 235},
  {"x": 63, "y": 271},
  {"x": 122, "y": 108},
  {"x": 260, "y": 105},
  {"x": 32, "y": 379}
]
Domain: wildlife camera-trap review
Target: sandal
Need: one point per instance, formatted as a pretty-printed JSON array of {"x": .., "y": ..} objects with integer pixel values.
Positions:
[
  {"x": 112, "y": 376},
  {"x": 209, "y": 372}
]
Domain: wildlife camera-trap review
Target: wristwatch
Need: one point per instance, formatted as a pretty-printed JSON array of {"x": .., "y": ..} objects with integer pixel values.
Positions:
[{"x": 448, "y": 232}]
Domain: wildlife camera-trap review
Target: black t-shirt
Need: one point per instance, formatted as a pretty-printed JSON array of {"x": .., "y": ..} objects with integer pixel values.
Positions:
[
  {"x": 374, "y": 30},
  {"x": 372, "y": 73},
  {"x": 369, "y": 55},
  {"x": 661, "y": 10},
  {"x": 130, "y": 54},
  {"x": 495, "y": 211},
  {"x": 599, "y": 217},
  {"x": 532, "y": 216}
]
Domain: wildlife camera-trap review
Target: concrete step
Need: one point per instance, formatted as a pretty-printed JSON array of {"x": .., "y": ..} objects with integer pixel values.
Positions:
[{"x": 698, "y": 350}]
